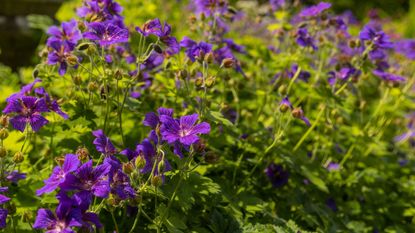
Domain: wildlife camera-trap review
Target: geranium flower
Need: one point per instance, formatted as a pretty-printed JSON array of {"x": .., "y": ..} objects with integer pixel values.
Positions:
[
  {"x": 68, "y": 34},
  {"x": 103, "y": 144},
  {"x": 28, "y": 110},
  {"x": 277, "y": 175},
  {"x": 194, "y": 50},
  {"x": 184, "y": 130},
  {"x": 59, "y": 174},
  {"x": 315, "y": 10},
  {"x": 106, "y": 33}
]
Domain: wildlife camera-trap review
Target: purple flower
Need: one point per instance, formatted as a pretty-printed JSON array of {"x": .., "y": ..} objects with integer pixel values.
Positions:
[
  {"x": 154, "y": 27},
  {"x": 100, "y": 10},
  {"x": 378, "y": 37},
  {"x": 25, "y": 90},
  {"x": 3, "y": 217},
  {"x": 184, "y": 130},
  {"x": 66, "y": 217},
  {"x": 69, "y": 35},
  {"x": 153, "y": 61},
  {"x": 407, "y": 48},
  {"x": 52, "y": 104},
  {"x": 59, "y": 174},
  {"x": 277, "y": 175},
  {"x": 152, "y": 119},
  {"x": 285, "y": 104},
  {"x": 331, "y": 203},
  {"x": 103, "y": 144},
  {"x": 15, "y": 176},
  {"x": 277, "y": 4},
  {"x": 315, "y": 10},
  {"x": 303, "y": 75},
  {"x": 304, "y": 39},
  {"x": 333, "y": 166},
  {"x": 86, "y": 178},
  {"x": 106, "y": 33},
  {"x": 388, "y": 76},
  {"x": 28, "y": 109},
  {"x": 59, "y": 55},
  {"x": 210, "y": 7},
  {"x": 299, "y": 113},
  {"x": 195, "y": 50},
  {"x": 343, "y": 75},
  {"x": 233, "y": 46}
]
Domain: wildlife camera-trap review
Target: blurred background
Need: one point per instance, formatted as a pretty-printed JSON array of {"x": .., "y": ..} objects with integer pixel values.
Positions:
[{"x": 23, "y": 22}]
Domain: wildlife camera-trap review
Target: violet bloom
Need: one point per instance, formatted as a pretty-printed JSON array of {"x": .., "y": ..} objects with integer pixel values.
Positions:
[
  {"x": 407, "y": 48},
  {"x": 103, "y": 144},
  {"x": 87, "y": 178},
  {"x": 28, "y": 110},
  {"x": 315, "y": 10},
  {"x": 277, "y": 4},
  {"x": 59, "y": 174},
  {"x": 3, "y": 217},
  {"x": 331, "y": 203},
  {"x": 52, "y": 104},
  {"x": 15, "y": 176},
  {"x": 342, "y": 75},
  {"x": 65, "y": 219},
  {"x": 380, "y": 41},
  {"x": 304, "y": 39},
  {"x": 154, "y": 27},
  {"x": 25, "y": 90},
  {"x": 299, "y": 113},
  {"x": 100, "y": 10},
  {"x": 106, "y": 33},
  {"x": 388, "y": 76},
  {"x": 153, "y": 61},
  {"x": 303, "y": 75},
  {"x": 210, "y": 7},
  {"x": 184, "y": 130},
  {"x": 152, "y": 120},
  {"x": 285, "y": 105},
  {"x": 195, "y": 50},
  {"x": 277, "y": 175},
  {"x": 59, "y": 55},
  {"x": 333, "y": 166},
  {"x": 69, "y": 35},
  {"x": 119, "y": 181},
  {"x": 234, "y": 46}
]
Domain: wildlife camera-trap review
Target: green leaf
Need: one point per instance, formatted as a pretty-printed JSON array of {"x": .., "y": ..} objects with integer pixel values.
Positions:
[{"x": 314, "y": 179}]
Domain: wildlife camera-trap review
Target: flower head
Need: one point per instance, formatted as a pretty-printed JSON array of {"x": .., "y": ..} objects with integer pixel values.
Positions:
[
  {"x": 28, "y": 110},
  {"x": 59, "y": 174},
  {"x": 184, "y": 130},
  {"x": 195, "y": 50},
  {"x": 315, "y": 10},
  {"x": 68, "y": 34},
  {"x": 102, "y": 143},
  {"x": 106, "y": 33},
  {"x": 304, "y": 39},
  {"x": 277, "y": 175}
]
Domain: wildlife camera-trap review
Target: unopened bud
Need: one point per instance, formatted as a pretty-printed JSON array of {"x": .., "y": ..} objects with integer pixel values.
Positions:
[
  {"x": 211, "y": 157},
  {"x": 284, "y": 107},
  {"x": 209, "y": 57},
  {"x": 35, "y": 73},
  {"x": 4, "y": 133},
  {"x": 192, "y": 19},
  {"x": 156, "y": 181},
  {"x": 83, "y": 46},
  {"x": 201, "y": 56},
  {"x": 228, "y": 63},
  {"x": 82, "y": 153},
  {"x": 118, "y": 75},
  {"x": 72, "y": 60},
  {"x": 92, "y": 86},
  {"x": 27, "y": 216},
  {"x": 139, "y": 162},
  {"x": 157, "y": 48},
  {"x": 60, "y": 160},
  {"x": 282, "y": 90},
  {"x": 18, "y": 157},
  {"x": 298, "y": 113},
  {"x": 182, "y": 74},
  {"x": 210, "y": 81},
  {"x": 4, "y": 121},
  {"x": 3, "y": 152},
  {"x": 128, "y": 168},
  {"x": 77, "y": 80},
  {"x": 199, "y": 82}
]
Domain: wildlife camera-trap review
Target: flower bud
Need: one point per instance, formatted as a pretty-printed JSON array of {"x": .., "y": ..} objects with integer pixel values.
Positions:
[
  {"x": 201, "y": 56},
  {"x": 298, "y": 113},
  {"x": 11, "y": 207},
  {"x": 199, "y": 82},
  {"x": 282, "y": 89},
  {"x": 35, "y": 73},
  {"x": 139, "y": 162},
  {"x": 4, "y": 133},
  {"x": 228, "y": 63},
  {"x": 118, "y": 74},
  {"x": 284, "y": 108},
  {"x": 27, "y": 216},
  {"x": 60, "y": 160},
  {"x": 72, "y": 60},
  {"x": 182, "y": 74},
  {"x": 210, "y": 81},
  {"x": 3, "y": 152},
  {"x": 92, "y": 86},
  {"x": 128, "y": 168},
  {"x": 157, "y": 48},
  {"x": 156, "y": 181},
  {"x": 211, "y": 157},
  {"x": 192, "y": 19},
  {"x": 83, "y": 46},
  {"x": 82, "y": 153},
  {"x": 4, "y": 121},
  {"x": 209, "y": 57},
  {"x": 77, "y": 80},
  {"x": 18, "y": 157}
]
